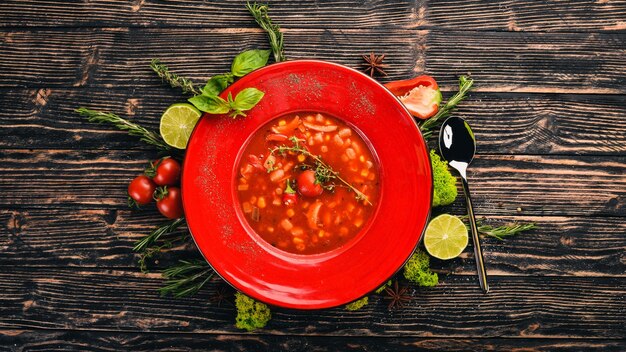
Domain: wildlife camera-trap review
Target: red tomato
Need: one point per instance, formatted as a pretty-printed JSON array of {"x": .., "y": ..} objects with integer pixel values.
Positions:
[
  {"x": 170, "y": 202},
  {"x": 165, "y": 172},
  {"x": 141, "y": 189},
  {"x": 420, "y": 95},
  {"x": 307, "y": 186}
]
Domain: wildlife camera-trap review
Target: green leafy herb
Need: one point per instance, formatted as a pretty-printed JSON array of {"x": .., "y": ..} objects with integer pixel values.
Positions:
[
  {"x": 323, "y": 172},
  {"x": 186, "y": 278},
  {"x": 247, "y": 99},
  {"x": 262, "y": 18},
  {"x": 174, "y": 80},
  {"x": 125, "y": 125},
  {"x": 216, "y": 84},
  {"x": 249, "y": 61},
  {"x": 428, "y": 126},
  {"x": 212, "y": 104},
  {"x": 251, "y": 315}
]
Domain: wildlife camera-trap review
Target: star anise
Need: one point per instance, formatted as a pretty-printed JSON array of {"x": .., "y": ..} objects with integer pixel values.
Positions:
[
  {"x": 222, "y": 295},
  {"x": 374, "y": 64},
  {"x": 398, "y": 296}
]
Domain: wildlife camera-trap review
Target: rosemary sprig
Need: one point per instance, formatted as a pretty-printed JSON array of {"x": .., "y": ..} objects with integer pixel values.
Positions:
[
  {"x": 164, "y": 236},
  {"x": 323, "y": 172},
  {"x": 262, "y": 18},
  {"x": 125, "y": 125},
  {"x": 504, "y": 231},
  {"x": 174, "y": 80},
  {"x": 500, "y": 232},
  {"x": 428, "y": 126},
  {"x": 186, "y": 278}
]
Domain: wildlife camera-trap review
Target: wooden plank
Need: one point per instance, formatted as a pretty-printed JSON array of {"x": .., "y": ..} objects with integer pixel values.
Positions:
[
  {"x": 503, "y": 123},
  {"x": 222, "y": 14},
  {"x": 538, "y": 185},
  {"x": 561, "y": 246},
  {"x": 566, "y": 16},
  {"x": 500, "y": 61},
  {"x": 535, "y": 16},
  {"x": 127, "y": 301},
  {"x": 118, "y": 341},
  {"x": 529, "y": 62}
]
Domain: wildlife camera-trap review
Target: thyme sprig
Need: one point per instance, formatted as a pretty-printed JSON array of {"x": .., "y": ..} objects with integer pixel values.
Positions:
[
  {"x": 275, "y": 36},
  {"x": 174, "y": 80},
  {"x": 428, "y": 126},
  {"x": 323, "y": 172},
  {"x": 186, "y": 278},
  {"x": 500, "y": 232},
  {"x": 125, "y": 125},
  {"x": 164, "y": 236}
]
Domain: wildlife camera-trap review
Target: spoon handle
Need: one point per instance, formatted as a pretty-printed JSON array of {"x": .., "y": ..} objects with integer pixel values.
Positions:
[{"x": 478, "y": 252}]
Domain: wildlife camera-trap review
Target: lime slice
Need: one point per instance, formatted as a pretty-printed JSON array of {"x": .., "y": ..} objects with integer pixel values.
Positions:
[
  {"x": 177, "y": 123},
  {"x": 445, "y": 237}
]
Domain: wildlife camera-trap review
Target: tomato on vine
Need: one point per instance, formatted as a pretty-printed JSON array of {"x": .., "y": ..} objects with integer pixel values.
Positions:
[
  {"x": 169, "y": 202},
  {"x": 141, "y": 190},
  {"x": 164, "y": 171}
]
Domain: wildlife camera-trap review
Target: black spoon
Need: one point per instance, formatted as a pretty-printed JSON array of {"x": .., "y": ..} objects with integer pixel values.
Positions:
[{"x": 458, "y": 146}]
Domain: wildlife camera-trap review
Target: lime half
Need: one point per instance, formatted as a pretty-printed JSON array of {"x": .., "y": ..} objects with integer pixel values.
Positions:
[
  {"x": 445, "y": 237},
  {"x": 177, "y": 123}
]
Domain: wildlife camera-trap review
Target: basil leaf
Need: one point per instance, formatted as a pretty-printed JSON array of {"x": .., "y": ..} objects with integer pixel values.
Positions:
[
  {"x": 210, "y": 104},
  {"x": 249, "y": 61},
  {"x": 217, "y": 84},
  {"x": 247, "y": 99}
]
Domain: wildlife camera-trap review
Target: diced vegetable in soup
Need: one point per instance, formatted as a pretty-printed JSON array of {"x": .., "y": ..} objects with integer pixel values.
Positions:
[{"x": 308, "y": 183}]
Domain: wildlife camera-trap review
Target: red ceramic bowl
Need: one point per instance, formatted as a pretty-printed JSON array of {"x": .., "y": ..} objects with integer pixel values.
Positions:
[{"x": 342, "y": 275}]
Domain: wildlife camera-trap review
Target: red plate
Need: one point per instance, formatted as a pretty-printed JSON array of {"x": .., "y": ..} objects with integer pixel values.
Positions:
[{"x": 329, "y": 279}]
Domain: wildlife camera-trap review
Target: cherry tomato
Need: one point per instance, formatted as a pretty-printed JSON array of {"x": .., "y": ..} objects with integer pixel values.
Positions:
[
  {"x": 141, "y": 189},
  {"x": 169, "y": 202},
  {"x": 307, "y": 186},
  {"x": 165, "y": 172}
]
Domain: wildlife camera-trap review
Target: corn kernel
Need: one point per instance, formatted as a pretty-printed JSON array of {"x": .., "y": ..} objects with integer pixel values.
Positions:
[
  {"x": 301, "y": 158},
  {"x": 362, "y": 159},
  {"x": 320, "y": 234},
  {"x": 290, "y": 213},
  {"x": 282, "y": 123},
  {"x": 261, "y": 203}
]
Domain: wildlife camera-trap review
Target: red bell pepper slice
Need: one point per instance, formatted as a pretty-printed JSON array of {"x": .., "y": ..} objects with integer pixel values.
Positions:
[{"x": 420, "y": 95}]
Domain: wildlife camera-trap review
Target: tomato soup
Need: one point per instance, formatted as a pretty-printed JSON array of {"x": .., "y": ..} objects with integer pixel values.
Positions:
[{"x": 307, "y": 183}]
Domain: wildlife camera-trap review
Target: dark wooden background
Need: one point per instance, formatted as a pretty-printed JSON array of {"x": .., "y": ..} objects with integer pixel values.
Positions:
[{"x": 548, "y": 110}]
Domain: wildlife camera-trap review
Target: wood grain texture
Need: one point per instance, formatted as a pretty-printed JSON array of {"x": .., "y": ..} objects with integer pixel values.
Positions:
[
  {"x": 561, "y": 246},
  {"x": 538, "y": 185},
  {"x": 500, "y": 61},
  {"x": 563, "y": 15},
  {"x": 535, "y": 16},
  {"x": 27, "y": 340},
  {"x": 92, "y": 299},
  {"x": 215, "y": 14},
  {"x": 534, "y": 124}
]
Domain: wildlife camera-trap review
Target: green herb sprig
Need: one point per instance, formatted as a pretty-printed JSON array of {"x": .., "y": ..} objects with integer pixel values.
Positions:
[
  {"x": 125, "y": 125},
  {"x": 323, "y": 172},
  {"x": 275, "y": 36},
  {"x": 428, "y": 126},
  {"x": 500, "y": 232},
  {"x": 186, "y": 278},
  {"x": 174, "y": 80},
  {"x": 164, "y": 236},
  {"x": 208, "y": 100}
]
